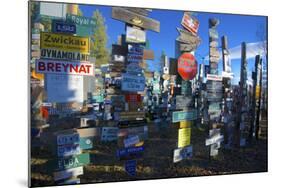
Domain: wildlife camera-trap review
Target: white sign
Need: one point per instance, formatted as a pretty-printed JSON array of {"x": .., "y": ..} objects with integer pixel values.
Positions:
[
  {"x": 132, "y": 83},
  {"x": 214, "y": 77},
  {"x": 227, "y": 74},
  {"x": 131, "y": 141},
  {"x": 109, "y": 133},
  {"x": 215, "y": 139},
  {"x": 64, "y": 88},
  {"x": 118, "y": 58},
  {"x": 182, "y": 153},
  {"x": 72, "y": 172},
  {"x": 135, "y": 35},
  {"x": 61, "y": 67},
  {"x": 135, "y": 49}
]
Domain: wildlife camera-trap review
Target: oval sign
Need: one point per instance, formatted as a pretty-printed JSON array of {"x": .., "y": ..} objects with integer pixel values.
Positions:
[{"x": 187, "y": 66}]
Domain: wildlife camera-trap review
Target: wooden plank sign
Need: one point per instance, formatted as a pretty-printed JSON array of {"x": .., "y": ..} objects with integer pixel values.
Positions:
[
  {"x": 135, "y": 19},
  {"x": 89, "y": 132},
  {"x": 109, "y": 133},
  {"x": 60, "y": 175},
  {"x": 188, "y": 38},
  {"x": 184, "y": 135},
  {"x": 148, "y": 54},
  {"x": 182, "y": 153},
  {"x": 184, "y": 115},
  {"x": 190, "y": 23},
  {"x": 140, "y": 11}
]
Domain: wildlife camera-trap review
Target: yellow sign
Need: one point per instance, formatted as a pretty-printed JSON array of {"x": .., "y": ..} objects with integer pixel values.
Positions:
[
  {"x": 184, "y": 137},
  {"x": 258, "y": 92},
  {"x": 185, "y": 124},
  {"x": 65, "y": 42}
]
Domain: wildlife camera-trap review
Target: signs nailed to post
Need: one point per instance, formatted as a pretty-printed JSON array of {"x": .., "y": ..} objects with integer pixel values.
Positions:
[
  {"x": 131, "y": 141},
  {"x": 135, "y": 35},
  {"x": 187, "y": 66},
  {"x": 60, "y": 175},
  {"x": 64, "y": 42},
  {"x": 130, "y": 167},
  {"x": 60, "y": 67},
  {"x": 81, "y": 20},
  {"x": 184, "y": 115},
  {"x": 132, "y": 83},
  {"x": 109, "y": 133},
  {"x": 72, "y": 161},
  {"x": 132, "y": 18},
  {"x": 184, "y": 137},
  {"x": 63, "y": 55},
  {"x": 130, "y": 153},
  {"x": 68, "y": 150},
  {"x": 182, "y": 153},
  {"x": 63, "y": 27},
  {"x": 190, "y": 23},
  {"x": 69, "y": 138},
  {"x": 187, "y": 37},
  {"x": 214, "y": 77}
]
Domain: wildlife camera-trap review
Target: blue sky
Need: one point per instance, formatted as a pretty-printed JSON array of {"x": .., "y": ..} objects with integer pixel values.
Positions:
[{"x": 238, "y": 28}]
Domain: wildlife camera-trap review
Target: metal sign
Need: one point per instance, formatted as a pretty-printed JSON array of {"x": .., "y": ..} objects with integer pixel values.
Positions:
[
  {"x": 64, "y": 42},
  {"x": 81, "y": 20},
  {"x": 190, "y": 23},
  {"x": 134, "y": 69},
  {"x": 130, "y": 153},
  {"x": 184, "y": 135},
  {"x": 86, "y": 143},
  {"x": 135, "y": 35},
  {"x": 130, "y": 167},
  {"x": 135, "y": 49},
  {"x": 60, "y": 175},
  {"x": 134, "y": 58},
  {"x": 63, "y": 55},
  {"x": 68, "y": 138},
  {"x": 63, "y": 27},
  {"x": 135, "y": 19},
  {"x": 182, "y": 153},
  {"x": 214, "y": 77},
  {"x": 61, "y": 67},
  {"x": 184, "y": 115},
  {"x": 187, "y": 66},
  {"x": 68, "y": 150},
  {"x": 132, "y": 83},
  {"x": 72, "y": 161},
  {"x": 131, "y": 141},
  {"x": 109, "y": 133}
]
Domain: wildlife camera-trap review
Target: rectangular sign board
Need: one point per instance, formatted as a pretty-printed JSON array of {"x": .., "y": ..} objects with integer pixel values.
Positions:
[
  {"x": 70, "y": 138},
  {"x": 61, "y": 67},
  {"x": 132, "y": 83},
  {"x": 190, "y": 23},
  {"x": 135, "y": 35},
  {"x": 81, "y": 20},
  {"x": 129, "y": 153},
  {"x": 214, "y": 77},
  {"x": 184, "y": 115},
  {"x": 130, "y": 167},
  {"x": 60, "y": 175},
  {"x": 109, "y": 133},
  {"x": 131, "y": 141},
  {"x": 63, "y": 55},
  {"x": 184, "y": 137},
  {"x": 72, "y": 161},
  {"x": 63, "y": 27},
  {"x": 68, "y": 150},
  {"x": 64, "y": 42},
  {"x": 182, "y": 153}
]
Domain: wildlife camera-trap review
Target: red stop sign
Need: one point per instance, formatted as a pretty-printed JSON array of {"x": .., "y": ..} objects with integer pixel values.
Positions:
[{"x": 187, "y": 66}]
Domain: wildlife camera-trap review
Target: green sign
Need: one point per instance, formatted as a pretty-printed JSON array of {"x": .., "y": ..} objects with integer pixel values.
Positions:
[
  {"x": 81, "y": 20},
  {"x": 86, "y": 142},
  {"x": 184, "y": 115},
  {"x": 71, "y": 162},
  {"x": 98, "y": 98},
  {"x": 84, "y": 31}
]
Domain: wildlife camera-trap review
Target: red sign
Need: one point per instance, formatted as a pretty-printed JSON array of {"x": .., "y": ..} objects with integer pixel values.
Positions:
[
  {"x": 189, "y": 23},
  {"x": 133, "y": 98},
  {"x": 187, "y": 66}
]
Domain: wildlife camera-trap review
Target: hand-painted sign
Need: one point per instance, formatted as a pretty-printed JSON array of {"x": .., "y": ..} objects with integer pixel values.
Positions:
[
  {"x": 182, "y": 153},
  {"x": 63, "y": 27},
  {"x": 135, "y": 35},
  {"x": 81, "y": 20},
  {"x": 190, "y": 23},
  {"x": 72, "y": 172},
  {"x": 72, "y": 161},
  {"x": 68, "y": 150},
  {"x": 68, "y": 138},
  {"x": 109, "y": 133},
  {"x": 131, "y": 141},
  {"x": 130, "y": 167},
  {"x": 187, "y": 66},
  {"x": 63, "y": 55},
  {"x": 60, "y": 67},
  {"x": 184, "y": 115},
  {"x": 65, "y": 42},
  {"x": 132, "y": 83},
  {"x": 184, "y": 137},
  {"x": 135, "y": 19},
  {"x": 130, "y": 153}
]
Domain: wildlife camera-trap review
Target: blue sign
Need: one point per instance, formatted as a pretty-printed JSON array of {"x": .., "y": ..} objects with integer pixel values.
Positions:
[
  {"x": 63, "y": 27},
  {"x": 130, "y": 167},
  {"x": 131, "y": 152}
]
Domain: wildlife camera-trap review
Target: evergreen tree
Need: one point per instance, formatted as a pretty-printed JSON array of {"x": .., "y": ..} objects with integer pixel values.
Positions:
[{"x": 99, "y": 40}]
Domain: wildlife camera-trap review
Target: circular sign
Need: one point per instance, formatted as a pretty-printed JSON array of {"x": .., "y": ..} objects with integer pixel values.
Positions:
[{"x": 187, "y": 66}]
